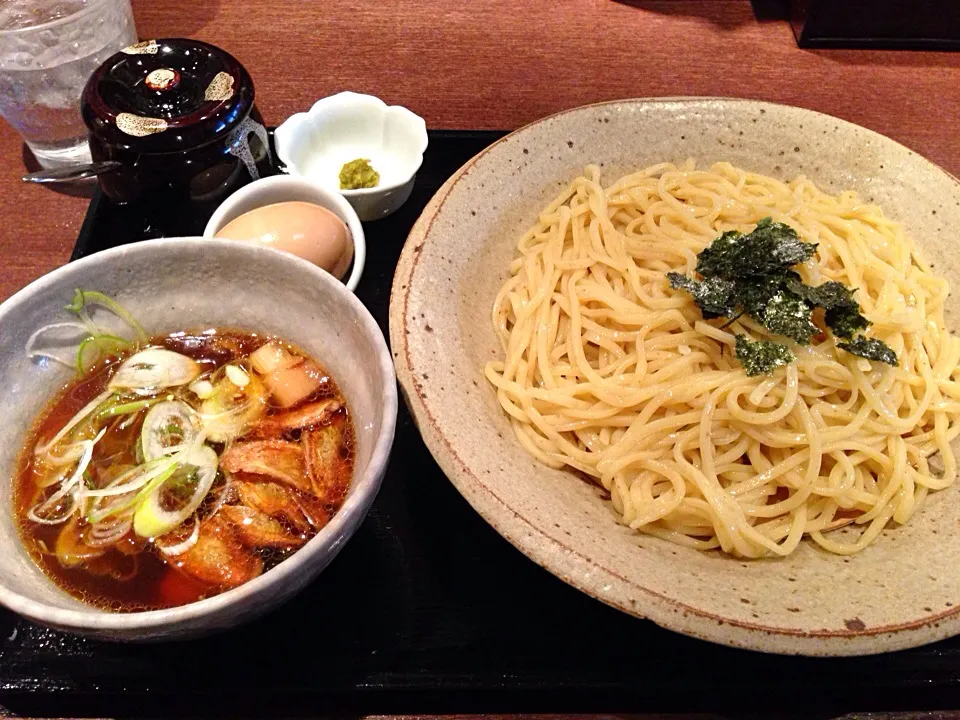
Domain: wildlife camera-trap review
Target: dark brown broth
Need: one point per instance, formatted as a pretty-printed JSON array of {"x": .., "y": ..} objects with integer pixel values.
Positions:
[{"x": 147, "y": 580}]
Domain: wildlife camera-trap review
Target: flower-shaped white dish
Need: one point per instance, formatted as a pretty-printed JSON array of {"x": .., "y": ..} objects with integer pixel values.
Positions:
[{"x": 347, "y": 126}]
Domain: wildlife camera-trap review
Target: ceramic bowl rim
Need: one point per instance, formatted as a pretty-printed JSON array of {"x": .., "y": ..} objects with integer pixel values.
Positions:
[{"x": 326, "y": 543}]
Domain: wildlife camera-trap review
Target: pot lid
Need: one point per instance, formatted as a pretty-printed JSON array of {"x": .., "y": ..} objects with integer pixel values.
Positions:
[{"x": 168, "y": 95}]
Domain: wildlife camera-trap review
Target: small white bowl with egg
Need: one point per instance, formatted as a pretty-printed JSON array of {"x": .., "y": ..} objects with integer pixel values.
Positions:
[
  {"x": 349, "y": 126},
  {"x": 297, "y": 216}
]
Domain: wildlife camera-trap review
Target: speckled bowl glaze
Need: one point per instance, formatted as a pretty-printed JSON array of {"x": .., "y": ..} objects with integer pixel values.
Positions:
[
  {"x": 904, "y": 590},
  {"x": 188, "y": 283}
]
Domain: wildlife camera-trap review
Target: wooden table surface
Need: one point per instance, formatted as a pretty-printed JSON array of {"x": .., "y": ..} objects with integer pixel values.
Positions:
[
  {"x": 498, "y": 64},
  {"x": 503, "y": 63}
]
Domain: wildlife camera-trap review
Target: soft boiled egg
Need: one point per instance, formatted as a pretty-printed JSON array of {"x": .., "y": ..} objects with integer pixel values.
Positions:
[{"x": 303, "y": 229}]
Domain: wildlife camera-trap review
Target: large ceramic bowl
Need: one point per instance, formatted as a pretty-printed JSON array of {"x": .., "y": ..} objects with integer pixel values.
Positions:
[
  {"x": 176, "y": 284},
  {"x": 903, "y": 590}
]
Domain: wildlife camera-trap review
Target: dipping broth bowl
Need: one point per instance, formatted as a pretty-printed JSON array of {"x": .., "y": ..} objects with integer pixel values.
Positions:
[{"x": 190, "y": 283}]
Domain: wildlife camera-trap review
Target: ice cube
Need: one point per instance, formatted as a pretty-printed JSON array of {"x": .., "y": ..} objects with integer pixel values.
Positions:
[
  {"x": 17, "y": 14},
  {"x": 16, "y": 61},
  {"x": 14, "y": 14},
  {"x": 56, "y": 97}
]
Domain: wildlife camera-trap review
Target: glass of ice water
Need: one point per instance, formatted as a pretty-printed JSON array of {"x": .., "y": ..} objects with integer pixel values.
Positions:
[{"x": 48, "y": 49}]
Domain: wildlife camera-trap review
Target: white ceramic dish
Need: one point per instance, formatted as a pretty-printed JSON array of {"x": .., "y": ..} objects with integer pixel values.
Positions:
[
  {"x": 282, "y": 188},
  {"x": 188, "y": 283},
  {"x": 347, "y": 126}
]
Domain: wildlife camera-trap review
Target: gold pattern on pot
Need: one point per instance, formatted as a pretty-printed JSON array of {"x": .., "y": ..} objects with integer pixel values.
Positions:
[
  {"x": 145, "y": 47},
  {"x": 140, "y": 126},
  {"x": 162, "y": 79},
  {"x": 220, "y": 88}
]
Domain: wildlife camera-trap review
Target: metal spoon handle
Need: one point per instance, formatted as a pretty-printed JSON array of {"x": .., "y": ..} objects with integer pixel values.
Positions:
[{"x": 72, "y": 172}]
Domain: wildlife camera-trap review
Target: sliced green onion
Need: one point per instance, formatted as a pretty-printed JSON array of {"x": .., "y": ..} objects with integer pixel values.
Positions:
[
  {"x": 103, "y": 346},
  {"x": 144, "y": 484},
  {"x": 82, "y": 298},
  {"x": 39, "y": 513},
  {"x": 107, "y": 533},
  {"x": 74, "y": 421},
  {"x": 153, "y": 474},
  {"x": 32, "y": 340},
  {"x": 98, "y": 343},
  {"x": 230, "y": 409},
  {"x": 77, "y": 308},
  {"x": 152, "y": 520},
  {"x": 153, "y": 369},
  {"x": 181, "y": 547},
  {"x": 125, "y": 483},
  {"x": 68, "y": 456},
  {"x": 168, "y": 424},
  {"x": 124, "y": 409},
  {"x": 84, "y": 359}
]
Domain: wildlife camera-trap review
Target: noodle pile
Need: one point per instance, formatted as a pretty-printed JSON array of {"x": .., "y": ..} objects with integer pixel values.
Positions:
[{"x": 612, "y": 373}]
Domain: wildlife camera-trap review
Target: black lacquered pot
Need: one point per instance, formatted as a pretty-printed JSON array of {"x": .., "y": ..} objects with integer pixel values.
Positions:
[{"x": 179, "y": 116}]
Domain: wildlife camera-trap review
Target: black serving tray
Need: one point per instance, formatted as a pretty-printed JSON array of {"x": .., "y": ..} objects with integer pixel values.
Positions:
[
  {"x": 877, "y": 24},
  {"x": 428, "y": 609}
]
